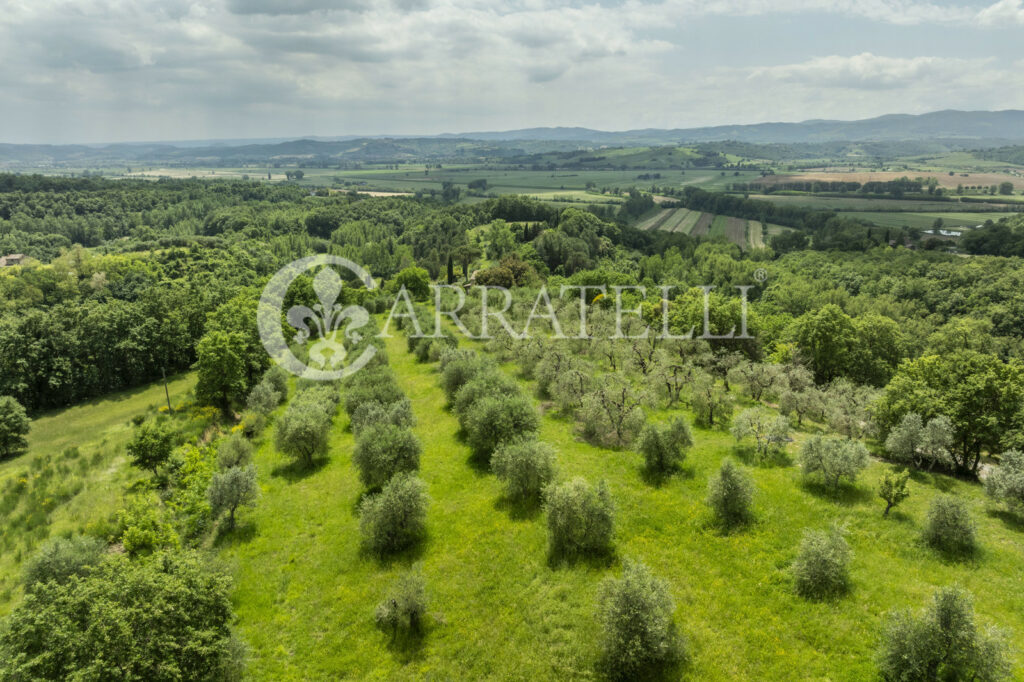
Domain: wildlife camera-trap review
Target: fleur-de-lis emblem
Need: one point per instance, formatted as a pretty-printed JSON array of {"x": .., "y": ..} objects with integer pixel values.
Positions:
[{"x": 327, "y": 318}]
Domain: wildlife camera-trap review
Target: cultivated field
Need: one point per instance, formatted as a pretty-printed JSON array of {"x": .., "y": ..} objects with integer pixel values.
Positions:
[{"x": 944, "y": 179}]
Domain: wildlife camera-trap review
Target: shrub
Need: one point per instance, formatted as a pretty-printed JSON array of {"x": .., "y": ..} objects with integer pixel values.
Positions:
[
  {"x": 770, "y": 432},
  {"x": 384, "y": 450},
  {"x": 459, "y": 367},
  {"x": 580, "y": 518},
  {"x": 231, "y": 489},
  {"x": 263, "y": 398},
  {"x": 821, "y": 568},
  {"x": 151, "y": 446},
  {"x": 664, "y": 447},
  {"x": 485, "y": 385},
  {"x": 942, "y": 643},
  {"x": 234, "y": 451},
  {"x": 61, "y": 558},
  {"x": 277, "y": 378},
  {"x": 949, "y": 527},
  {"x": 526, "y": 467},
  {"x": 833, "y": 459},
  {"x": 893, "y": 489},
  {"x": 398, "y": 413},
  {"x": 14, "y": 426},
  {"x": 493, "y": 421},
  {"x": 404, "y": 610},
  {"x": 1006, "y": 482},
  {"x": 638, "y": 636},
  {"x": 395, "y": 518},
  {"x": 166, "y": 618},
  {"x": 730, "y": 494},
  {"x": 253, "y": 424}
]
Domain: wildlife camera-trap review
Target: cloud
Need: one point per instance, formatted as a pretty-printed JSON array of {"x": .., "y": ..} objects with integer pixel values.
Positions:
[
  {"x": 99, "y": 70},
  {"x": 870, "y": 72},
  {"x": 1004, "y": 12}
]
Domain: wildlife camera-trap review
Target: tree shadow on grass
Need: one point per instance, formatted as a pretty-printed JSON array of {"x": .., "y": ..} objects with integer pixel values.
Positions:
[
  {"x": 407, "y": 647},
  {"x": 298, "y": 470},
  {"x": 518, "y": 509},
  {"x": 657, "y": 479},
  {"x": 480, "y": 464},
  {"x": 596, "y": 560},
  {"x": 239, "y": 535},
  {"x": 844, "y": 494},
  {"x": 748, "y": 455},
  {"x": 406, "y": 557},
  {"x": 1012, "y": 520}
]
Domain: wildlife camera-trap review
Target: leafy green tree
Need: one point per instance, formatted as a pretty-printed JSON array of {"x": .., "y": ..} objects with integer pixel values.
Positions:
[
  {"x": 233, "y": 488},
  {"x": 730, "y": 493},
  {"x": 222, "y": 369},
  {"x": 301, "y": 432},
  {"x": 14, "y": 426},
  {"x": 893, "y": 489},
  {"x": 151, "y": 446},
  {"x": 833, "y": 459},
  {"x": 942, "y": 643},
  {"x": 638, "y": 635},
  {"x": 982, "y": 396},
  {"x": 415, "y": 280},
  {"x": 164, "y": 618},
  {"x": 828, "y": 337}
]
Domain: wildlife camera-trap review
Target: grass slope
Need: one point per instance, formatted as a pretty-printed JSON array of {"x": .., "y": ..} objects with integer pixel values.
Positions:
[{"x": 305, "y": 592}]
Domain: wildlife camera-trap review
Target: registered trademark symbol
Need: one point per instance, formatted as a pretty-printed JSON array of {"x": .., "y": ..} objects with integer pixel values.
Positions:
[{"x": 760, "y": 274}]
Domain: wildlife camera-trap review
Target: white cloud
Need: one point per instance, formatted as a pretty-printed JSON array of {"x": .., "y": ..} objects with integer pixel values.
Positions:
[
  {"x": 1002, "y": 13},
  {"x": 871, "y": 72}
]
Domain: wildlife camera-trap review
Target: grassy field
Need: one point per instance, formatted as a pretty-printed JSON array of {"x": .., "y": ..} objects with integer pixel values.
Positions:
[
  {"x": 869, "y": 204},
  {"x": 64, "y": 491},
  {"x": 924, "y": 221},
  {"x": 755, "y": 230},
  {"x": 499, "y": 610}
]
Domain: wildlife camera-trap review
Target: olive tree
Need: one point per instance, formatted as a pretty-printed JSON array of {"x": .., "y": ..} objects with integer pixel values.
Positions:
[
  {"x": 395, "y": 518},
  {"x": 949, "y": 527},
  {"x": 770, "y": 432},
  {"x": 833, "y": 459},
  {"x": 383, "y": 450},
  {"x": 1006, "y": 482},
  {"x": 921, "y": 444},
  {"x": 821, "y": 567},
  {"x": 404, "y": 610},
  {"x": 233, "y": 488},
  {"x": 496, "y": 420},
  {"x": 638, "y": 636},
  {"x": 525, "y": 466},
  {"x": 612, "y": 414},
  {"x": 580, "y": 518},
  {"x": 234, "y": 451},
  {"x": 712, "y": 404},
  {"x": 730, "y": 493},
  {"x": 942, "y": 643},
  {"x": 664, "y": 447}
]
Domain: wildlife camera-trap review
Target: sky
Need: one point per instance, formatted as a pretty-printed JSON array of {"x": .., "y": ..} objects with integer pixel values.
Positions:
[{"x": 92, "y": 71}]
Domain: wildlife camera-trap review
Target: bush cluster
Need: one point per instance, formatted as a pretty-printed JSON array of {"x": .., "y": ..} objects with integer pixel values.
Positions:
[{"x": 949, "y": 527}]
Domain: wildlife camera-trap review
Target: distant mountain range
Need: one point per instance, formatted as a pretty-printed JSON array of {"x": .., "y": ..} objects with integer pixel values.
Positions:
[
  {"x": 1002, "y": 126},
  {"x": 949, "y": 129}
]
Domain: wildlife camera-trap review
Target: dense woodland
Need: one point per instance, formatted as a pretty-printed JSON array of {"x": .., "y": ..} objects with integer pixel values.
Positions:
[{"x": 915, "y": 353}]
